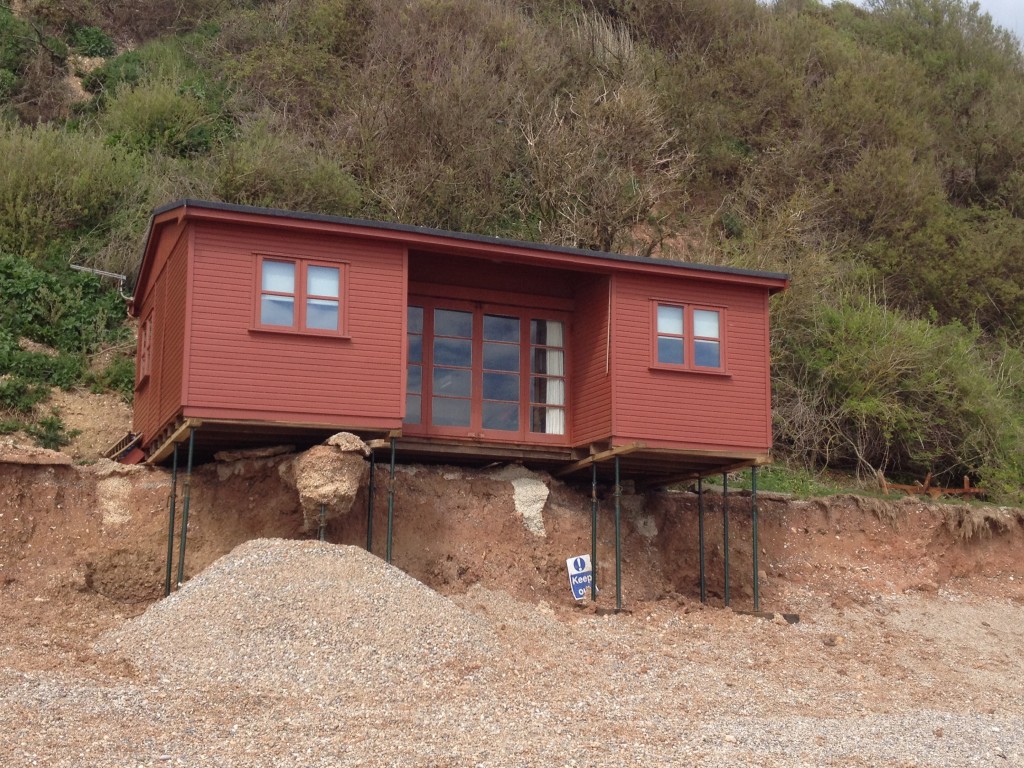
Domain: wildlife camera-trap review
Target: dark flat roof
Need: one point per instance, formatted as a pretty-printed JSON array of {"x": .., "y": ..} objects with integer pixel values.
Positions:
[{"x": 469, "y": 238}]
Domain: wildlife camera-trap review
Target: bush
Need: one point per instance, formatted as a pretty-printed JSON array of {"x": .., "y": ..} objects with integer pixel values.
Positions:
[
  {"x": 92, "y": 41},
  {"x": 161, "y": 117},
  {"x": 56, "y": 183}
]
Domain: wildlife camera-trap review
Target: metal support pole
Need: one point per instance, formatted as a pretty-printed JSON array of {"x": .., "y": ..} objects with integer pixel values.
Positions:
[
  {"x": 753, "y": 520},
  {"x": 370, "y": 491},
  {"x": 323, "y": 522},
  {"x": 700, "y": 539},
  {"x": 725, "y": 532},
  {"x": 391, "y": 500},
  {"x": 618, "y": 538},
  {"x": 170, "y": 524},
  {"x": 184, "y": 507},
  {"x": 593, "y": 530}
]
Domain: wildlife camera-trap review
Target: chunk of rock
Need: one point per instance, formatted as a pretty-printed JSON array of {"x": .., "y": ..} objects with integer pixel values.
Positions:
[{"x": 328, "y": 475}]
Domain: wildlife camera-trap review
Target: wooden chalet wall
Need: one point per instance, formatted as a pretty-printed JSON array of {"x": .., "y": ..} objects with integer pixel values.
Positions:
[
  {"x": 691, "y": 409},
  {"x": 591, "y": 382},
  {"x": 238, "y": 372}
]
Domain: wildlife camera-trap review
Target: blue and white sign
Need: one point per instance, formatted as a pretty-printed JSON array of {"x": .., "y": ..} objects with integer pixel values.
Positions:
[{"x": 581, "y": 575}]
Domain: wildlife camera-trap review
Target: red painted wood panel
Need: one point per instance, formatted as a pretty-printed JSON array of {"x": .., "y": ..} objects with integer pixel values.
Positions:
[
  {"x": 293, "y": 376},
  {"x": 591, "y": 418},
  {"x": 692, "y": 409}
]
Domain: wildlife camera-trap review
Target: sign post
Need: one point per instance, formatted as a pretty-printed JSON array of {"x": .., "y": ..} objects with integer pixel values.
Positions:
[{"x": 581, "y": 575}]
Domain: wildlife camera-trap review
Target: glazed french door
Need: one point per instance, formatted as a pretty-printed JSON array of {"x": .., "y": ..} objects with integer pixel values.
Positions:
[{"x": 486, "y": 372}]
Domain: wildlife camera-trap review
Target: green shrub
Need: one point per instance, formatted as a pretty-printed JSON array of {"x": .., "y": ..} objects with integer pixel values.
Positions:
[
  {"x": 118, "y": 377},
  {"x": 18, "y": 396},
  {"x": 92, "y": 41},
  {"x": 50, "y": 431},
  {"x": 54, "y": 183},
  {"x": 160, "y": 116}
]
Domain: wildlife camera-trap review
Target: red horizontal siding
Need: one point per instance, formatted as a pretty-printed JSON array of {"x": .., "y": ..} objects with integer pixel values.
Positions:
[
  {"x": 591, "y": 375},
  {"x": 686, "y": 408},
  {"x": 295, "y": 377}
]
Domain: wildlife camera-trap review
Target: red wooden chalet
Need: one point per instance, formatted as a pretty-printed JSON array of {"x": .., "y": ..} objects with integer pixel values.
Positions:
[{"x": 262, "y": 327}]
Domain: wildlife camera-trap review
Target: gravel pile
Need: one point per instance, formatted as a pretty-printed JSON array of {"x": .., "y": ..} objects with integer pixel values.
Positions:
[{"x": 301, "y": 654}]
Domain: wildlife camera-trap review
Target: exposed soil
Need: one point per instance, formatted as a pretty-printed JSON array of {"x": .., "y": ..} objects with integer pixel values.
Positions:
[{"x": 907, "y": 609}]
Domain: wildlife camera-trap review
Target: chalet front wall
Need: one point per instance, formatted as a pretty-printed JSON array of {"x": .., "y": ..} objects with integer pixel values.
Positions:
[
  {"x": 240, "y": 370},
  {"x": 682, "y": 406}
]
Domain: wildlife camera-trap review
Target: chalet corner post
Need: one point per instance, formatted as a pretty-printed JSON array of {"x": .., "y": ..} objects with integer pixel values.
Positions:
[
  {"x": 187, "y": 482},
  {"x": 753, "y": 534},
  {"x": 170, "y": 524},
  {"x": 725, "y": 534}
]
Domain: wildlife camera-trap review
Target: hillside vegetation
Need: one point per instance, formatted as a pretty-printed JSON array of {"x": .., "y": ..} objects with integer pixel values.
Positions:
[{"x": 875, "y": 155}]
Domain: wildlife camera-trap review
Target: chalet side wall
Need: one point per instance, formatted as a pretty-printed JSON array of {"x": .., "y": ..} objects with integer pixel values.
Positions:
[
  {"x": 689, "y": 409},
  {"x": 158, "y": 400},
  {"x": 236, "y": 372},
  {"x": 591, "y": 394}
]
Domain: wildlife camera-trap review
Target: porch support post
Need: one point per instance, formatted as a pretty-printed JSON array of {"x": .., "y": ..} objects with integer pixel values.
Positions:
[
  {"x": 187, "y": 482},
  {"x": 725, "y": 532},
  {"x": 618, "y": 537},
  {"x": 593, "y": 530},
  {"x": 170, "y": 525},
  {"x": 700, "y": 539},
  {"x": 370, "y": 491},
  {"x": 753, "y": 521},
  {"x": 391, "y": 501}
]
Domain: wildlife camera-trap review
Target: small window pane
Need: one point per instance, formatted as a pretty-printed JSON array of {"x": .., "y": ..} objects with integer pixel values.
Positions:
[
  {"x": 322, "y": 314},
  {"x": 501, "y": 386},
  {"x": 670, "y": 350},
  {"x": 670, "y": 320},
  {"x": 412, "y": 409},
  {"x": 448, "y": 322},
  {"x": 448, "y": 412},
  {"x": 501, "y": 357},
  {"x": 453, "y": 352},
  {"x": 415, "y": 349},
  {"x": 451, "y": 381},
  {"x": 322, "y": 281},
  {"x": 503, "y": 416},
  {"x": 497, "y": 328},
  {"x": 549, "y": 421},
  {"x": 549, "y": 361},
  {"x": 415, "y": 319},
  {"x": 705, "y": 323},
  {"x": 279, "y": 276},
  {"x": 547, "y": 333},
  {"x": 707, "y": 354},
  {"x": 277, "y": 310},
  {"x": 414, "y": 384}
]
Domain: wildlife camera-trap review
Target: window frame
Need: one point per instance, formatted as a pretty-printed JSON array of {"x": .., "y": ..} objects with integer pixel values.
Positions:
[
  {"x": 689, "y": 338},
  {"x": 301, "y": 296},
  {"x": 476, "y": 430}
]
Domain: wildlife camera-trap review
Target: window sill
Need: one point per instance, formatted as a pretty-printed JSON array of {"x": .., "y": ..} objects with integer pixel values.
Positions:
[
  {"x": 684, "y": 369},
  {"x": 295, "y": 332}
]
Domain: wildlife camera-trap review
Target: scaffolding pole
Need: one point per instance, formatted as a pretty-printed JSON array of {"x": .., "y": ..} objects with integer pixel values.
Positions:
[
  {"x": 725, "y": 532},
  {"x": 370, "y": 491},
  {"x": 593, "y": 531},
  {"x": 700, "y": 539},
  {"x": 170, "y": 524},
  {"x": 618, "y": 537},
  {"x": 391, "y": 501},
  {"x": 753, "y": 522},
  {"x": 187, "y": 482}
]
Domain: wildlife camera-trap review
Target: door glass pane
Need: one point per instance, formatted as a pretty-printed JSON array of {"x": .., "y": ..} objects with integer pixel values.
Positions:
[
  {"x": 415, "y": 319},
  {"x": 501, "y": 357},
  {"x": 453, "y": 352},
  {"x": 415, "y": 348},
  {"x": 707, "y": 354},
  {"x": 412, "y": 409},
  {"x": 449, "y": 322},
  {"x": 322, "y": 314},
  {"x": 449, "y": 412},
  {"x": 415, "y": 379},
  {"x": 279, "y": 276},
  {"x": 548, "y": 361},
  {"x": 705, "y": 323},
  {"x": 498, "y": 328},
  {"x": 501, "y": 416},
  {"x": 277, "y": 310},
  {"x": 547, "y": 391},
  {"x": 501, "y": 386},
  {"x": 670, "y": 350},
  {"x": 547, "y": 333},
  {"x": 452, "y": 381},
  {"x": 322, "y": 281},
  {"x": 670, "y": 320},
  {"x": 549, "y": 421}
]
